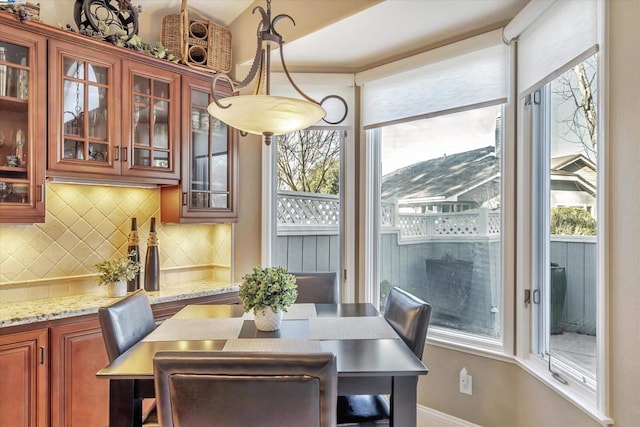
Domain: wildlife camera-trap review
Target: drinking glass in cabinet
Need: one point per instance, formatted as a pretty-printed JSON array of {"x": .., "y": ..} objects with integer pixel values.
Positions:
[{"x": 14, "y": 71}]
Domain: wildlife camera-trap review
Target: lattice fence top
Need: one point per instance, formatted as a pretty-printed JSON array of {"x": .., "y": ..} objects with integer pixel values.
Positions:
[
  {"x": 311, "y": 209},
  {"x": 308, "y": 209}
]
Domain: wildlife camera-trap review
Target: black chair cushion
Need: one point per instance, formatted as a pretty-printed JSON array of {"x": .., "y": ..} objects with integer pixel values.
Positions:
[
  {"x": 317, "y": 287},
  {"x": 362, "y": 408}
]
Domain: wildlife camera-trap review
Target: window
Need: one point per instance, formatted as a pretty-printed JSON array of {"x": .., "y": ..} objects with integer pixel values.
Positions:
[
  {"x": 440, "y": 231},
  {"x": 565, "y": 170},
  {"x": 308, "y": 200},
  {"x": 435, "y": 156}
]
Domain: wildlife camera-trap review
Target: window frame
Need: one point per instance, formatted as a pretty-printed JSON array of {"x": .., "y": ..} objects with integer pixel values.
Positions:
[
  {"x": 347, "y": 203},
  {"x": 592, "y": 399},
  {"x": 503, "y": 348}
]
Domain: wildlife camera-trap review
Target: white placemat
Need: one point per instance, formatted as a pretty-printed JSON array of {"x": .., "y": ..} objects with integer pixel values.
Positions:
[
  {"x": 294, "y": 312},
  {"x": 350, "y": 328},
  {"x": 196, "y": 329},
  {"x": 273, "y": 345}
]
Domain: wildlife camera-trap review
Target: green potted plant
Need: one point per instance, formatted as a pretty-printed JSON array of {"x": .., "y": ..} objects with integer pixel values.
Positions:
[
  {"x": 268, "y": 292},
  {"x": 115, "y": 272}
]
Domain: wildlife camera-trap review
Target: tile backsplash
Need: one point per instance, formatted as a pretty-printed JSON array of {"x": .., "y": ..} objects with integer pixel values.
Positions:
[{"x": 86, "y": 224}]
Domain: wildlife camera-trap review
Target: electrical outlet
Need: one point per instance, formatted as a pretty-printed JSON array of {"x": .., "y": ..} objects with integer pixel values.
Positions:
[{"x": 466, "y": 382}]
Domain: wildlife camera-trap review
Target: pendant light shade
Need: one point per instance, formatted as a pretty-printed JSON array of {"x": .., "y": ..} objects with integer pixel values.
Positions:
[
  {"x": 266, "y": 114},
  {"x": 261, "y": 113}
]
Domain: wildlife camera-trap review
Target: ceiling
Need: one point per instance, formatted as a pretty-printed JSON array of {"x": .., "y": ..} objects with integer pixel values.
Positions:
[{"x": 383, "y": 32}]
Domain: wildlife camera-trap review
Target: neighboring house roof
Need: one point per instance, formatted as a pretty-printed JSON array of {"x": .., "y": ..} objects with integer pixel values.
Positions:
[
  {"x": 442, "y": 178},
  {"x": 576, "y": 168},
  {"x": 448, "y": 177}
]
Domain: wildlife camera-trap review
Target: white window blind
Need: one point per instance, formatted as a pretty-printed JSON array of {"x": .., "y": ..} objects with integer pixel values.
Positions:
[
  {"x": 565, "y": 34},
  {"x": 468, "y": 73}
]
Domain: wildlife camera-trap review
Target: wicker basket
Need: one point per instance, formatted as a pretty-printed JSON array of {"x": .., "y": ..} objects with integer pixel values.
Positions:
[{"x": 198, "y": 41}]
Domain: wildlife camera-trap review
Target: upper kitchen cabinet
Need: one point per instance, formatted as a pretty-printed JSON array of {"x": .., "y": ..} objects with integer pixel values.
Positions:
[
  {"x": 84, "y": 111},
  {"x": 208, "y": 188},
  {"x": 151, "y": 120},
  {"x": 23, "y": 108},
  {"x": 112, "y": 116}
]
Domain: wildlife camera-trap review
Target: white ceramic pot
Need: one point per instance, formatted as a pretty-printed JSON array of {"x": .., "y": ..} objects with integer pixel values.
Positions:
[
  {"x": 117, "y": 289},
  {"x": 267, "y": 320}
]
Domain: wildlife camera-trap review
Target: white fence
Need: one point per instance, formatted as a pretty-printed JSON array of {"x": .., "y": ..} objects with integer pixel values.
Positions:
[
  {"x": 310, "y": 213},
  {"x": 308, "y": 240}
]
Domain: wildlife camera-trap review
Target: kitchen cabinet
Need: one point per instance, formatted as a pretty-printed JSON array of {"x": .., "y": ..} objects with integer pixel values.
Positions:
[
  {"x": 22, "y": 125},
  {"x": 75, "y": 108},
  {"x": 24, "y": 367},
  {"x": 208, "y": 188},
  {"x": 76, "y": 397},
  {"x": 111, "y": 116},
  {"x": 151, "y": 121},
  {"x": 77, "y": 353}
]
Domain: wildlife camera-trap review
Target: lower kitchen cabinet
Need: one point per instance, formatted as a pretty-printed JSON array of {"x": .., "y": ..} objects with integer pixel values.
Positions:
[
  {"x": 24, "y": 375},
  {"x": 78, "y": 398},
  {"x": 48, "y": 370}
]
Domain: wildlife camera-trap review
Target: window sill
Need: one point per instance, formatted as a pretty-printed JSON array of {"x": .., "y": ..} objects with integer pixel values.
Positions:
[
  {"x": 579, "y": 396},
  {"x": 467, "y": 343}
]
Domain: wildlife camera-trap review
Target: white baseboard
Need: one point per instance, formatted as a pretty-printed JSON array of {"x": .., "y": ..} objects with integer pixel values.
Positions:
[{"x": 428, "y": 417}]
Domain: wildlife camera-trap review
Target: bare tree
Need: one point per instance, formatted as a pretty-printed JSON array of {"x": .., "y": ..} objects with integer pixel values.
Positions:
[
  {"x": 578, "y": 88},
  {"x": 308, "y": 161}
]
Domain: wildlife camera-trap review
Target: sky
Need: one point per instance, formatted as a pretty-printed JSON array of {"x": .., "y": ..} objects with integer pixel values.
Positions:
[{"x": 412, "y": 142}]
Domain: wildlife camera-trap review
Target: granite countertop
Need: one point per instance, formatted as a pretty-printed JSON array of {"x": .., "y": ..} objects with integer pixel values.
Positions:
[{"x": 19, "y": 313}]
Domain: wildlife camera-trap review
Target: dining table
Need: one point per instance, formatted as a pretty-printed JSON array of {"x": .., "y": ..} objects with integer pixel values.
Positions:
[{"x": 371, "y": 357}]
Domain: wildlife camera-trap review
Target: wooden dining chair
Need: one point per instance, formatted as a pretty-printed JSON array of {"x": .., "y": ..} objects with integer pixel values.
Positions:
[
  {"x": 317, "y": 287},
  {"x": 409, "y": 316},
  {"x": 239, "y": 389},
  {"x": 123, "y": 324}
]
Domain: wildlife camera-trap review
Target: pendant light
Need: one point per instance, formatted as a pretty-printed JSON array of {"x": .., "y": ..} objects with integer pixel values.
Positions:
[{"x": 262, "y": 113}]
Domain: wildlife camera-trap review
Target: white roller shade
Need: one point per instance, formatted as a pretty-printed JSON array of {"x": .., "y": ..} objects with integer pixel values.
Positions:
[
  {"x": 564, "y": 34},
  {"x": 470, "y": 72},
  {"x": 318, "y": 86}
]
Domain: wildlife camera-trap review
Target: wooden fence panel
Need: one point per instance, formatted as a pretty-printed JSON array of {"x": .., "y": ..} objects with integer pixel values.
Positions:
[
  {"x": 323, "y": 253},
  {"x": 404, "y": 265},
  {"x": 309, "y": 253},
  {"x": 294, "y": 253}
]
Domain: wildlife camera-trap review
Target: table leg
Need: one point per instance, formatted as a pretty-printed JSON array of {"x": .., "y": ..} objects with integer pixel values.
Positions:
[
  {"x": 124, "y": 409},
  {"x": 404, "y": 401}
]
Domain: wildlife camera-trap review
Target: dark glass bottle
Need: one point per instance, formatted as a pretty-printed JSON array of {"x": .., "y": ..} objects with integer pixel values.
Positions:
[
  {"x": 134, "y": 254},
  {"x": 152, "y": 263}
]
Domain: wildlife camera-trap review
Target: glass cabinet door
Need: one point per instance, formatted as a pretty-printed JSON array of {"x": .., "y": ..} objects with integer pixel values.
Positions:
[
  {"x": 150, "y": 123},
  {"x": 209, "y": 180},
  {"x": 21, "y": 162},
  {"x": 85, "y": 114},
  {"x": 14, "y": 123}
]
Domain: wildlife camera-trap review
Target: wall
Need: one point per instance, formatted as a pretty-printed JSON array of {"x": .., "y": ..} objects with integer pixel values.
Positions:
[
  {"x": 506, "y": 395},
  {"x": 624, "y": 204},
  {"x": 247, "y": 239},
  {"x": 86, "y": 224}
]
